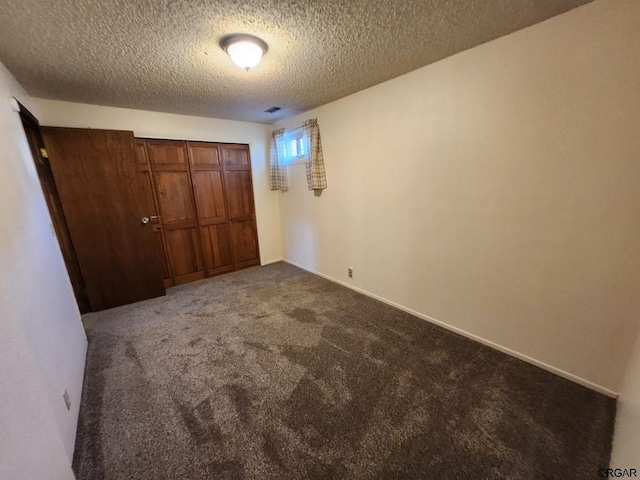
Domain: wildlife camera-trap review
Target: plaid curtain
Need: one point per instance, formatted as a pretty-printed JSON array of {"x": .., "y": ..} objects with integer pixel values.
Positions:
[
  {"x": 278, "y": 169},
  {"x": 316, "y": 177}
]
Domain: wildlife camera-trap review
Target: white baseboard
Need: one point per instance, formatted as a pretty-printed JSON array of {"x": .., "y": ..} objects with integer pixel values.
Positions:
[
  {"x": 269, "y": 262},
  {"x": 484, "y": 341}
]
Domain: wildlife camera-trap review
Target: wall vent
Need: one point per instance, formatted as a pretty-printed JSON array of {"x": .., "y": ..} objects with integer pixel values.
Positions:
[{"x": 273, "y": 109}]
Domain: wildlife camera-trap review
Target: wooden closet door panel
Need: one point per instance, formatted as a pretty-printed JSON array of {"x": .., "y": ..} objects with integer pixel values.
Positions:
[
  {"x": 144, "y": 167},
  {"x": 186, "y": 260},
  {"x": 214, "y": 223},
  {"x": 239, "y": 194},
  {"x": 236, "y": 164},
  {"x": 216, "y": 242},
  {"x": 204, "y": 154},
  {"x": 174, "y": 191},
  {"x": 174, "y": 194},
  {"x": 102, "y": 194},
  {"x": 245, "y": 243},
  {"x": 167, "y": 152},
  {"x": 209, "y": 193},
  {"x": 236, "y": 158}
]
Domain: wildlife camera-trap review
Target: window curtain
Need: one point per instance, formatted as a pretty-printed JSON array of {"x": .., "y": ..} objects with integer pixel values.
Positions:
[
  {"x": 278, "y": 168},
  {"x": 316, "y": 177}
]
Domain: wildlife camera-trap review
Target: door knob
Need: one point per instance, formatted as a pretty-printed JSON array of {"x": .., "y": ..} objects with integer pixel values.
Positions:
[{"x": 145, "y": 220}]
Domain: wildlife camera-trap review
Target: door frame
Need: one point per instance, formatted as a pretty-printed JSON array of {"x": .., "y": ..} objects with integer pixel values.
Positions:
[{"x": 31, "y": 127}]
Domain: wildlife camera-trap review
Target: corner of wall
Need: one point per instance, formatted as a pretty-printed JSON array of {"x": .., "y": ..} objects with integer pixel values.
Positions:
[{"x": 626, "y": 439}]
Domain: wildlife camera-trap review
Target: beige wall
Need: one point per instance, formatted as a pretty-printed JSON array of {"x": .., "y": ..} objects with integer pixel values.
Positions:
[
  {"x": 42, "y": 342},
  {"x": 495, "y": 191},
  {"x": 164, "y": 125}
]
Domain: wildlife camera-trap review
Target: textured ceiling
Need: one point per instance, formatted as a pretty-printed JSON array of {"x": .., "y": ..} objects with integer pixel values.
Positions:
[{"x": 163, "y": 55}]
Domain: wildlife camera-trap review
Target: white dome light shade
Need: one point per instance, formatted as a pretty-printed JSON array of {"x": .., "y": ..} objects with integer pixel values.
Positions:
[
  {"x": 245, "y": 54},
  {"x": 245, "y": 51}
]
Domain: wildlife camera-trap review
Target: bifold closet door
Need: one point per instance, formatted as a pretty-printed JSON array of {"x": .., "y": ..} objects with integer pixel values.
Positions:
[
  {"x": 102, "y": 195},
  {"x": 213, "y": 220},
  {"x": 239, "y": 192},
  {"x": 174, "y": 192},
  {"x": 151, "y": 205}
]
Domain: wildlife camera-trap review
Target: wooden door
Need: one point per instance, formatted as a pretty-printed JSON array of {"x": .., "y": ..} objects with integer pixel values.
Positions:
[
  {"x": 151, "y": 205},
  {"x": 173, "y": 184},
  {"x": 50, "y": 190},
  {"x": 213, "y": 220},
  {"x": 102, "y": 193},
  {"x": 239, "y": 190}
]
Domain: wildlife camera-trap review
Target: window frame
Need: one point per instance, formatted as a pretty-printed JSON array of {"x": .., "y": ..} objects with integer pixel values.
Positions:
[{"x": 297, "y": 135}]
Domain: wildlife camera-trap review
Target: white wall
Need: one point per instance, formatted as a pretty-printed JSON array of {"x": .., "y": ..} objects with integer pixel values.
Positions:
[
  {"x": 495, "y": 191},
  {"x": 183, "y": 127},
  {"x": 42, "y": 342}
]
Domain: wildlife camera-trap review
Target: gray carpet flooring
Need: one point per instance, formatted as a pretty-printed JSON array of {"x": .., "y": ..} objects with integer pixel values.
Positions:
[{"x": 274, "y": 373}]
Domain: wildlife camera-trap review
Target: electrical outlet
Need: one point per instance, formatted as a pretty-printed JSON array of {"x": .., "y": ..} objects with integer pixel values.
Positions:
[
  {"x": 350, "y": 272},
  {"x": 67, "y": 399}
]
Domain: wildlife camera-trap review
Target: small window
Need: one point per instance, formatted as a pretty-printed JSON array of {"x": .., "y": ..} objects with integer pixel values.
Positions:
[{"x": 294, "y": 147}]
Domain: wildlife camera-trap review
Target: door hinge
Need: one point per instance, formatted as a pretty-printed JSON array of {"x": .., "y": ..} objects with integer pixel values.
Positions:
[{"x": 43, "y": 153}]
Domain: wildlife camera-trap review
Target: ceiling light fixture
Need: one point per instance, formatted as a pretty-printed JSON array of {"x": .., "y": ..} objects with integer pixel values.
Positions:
[{"x": 245, "y": 50}]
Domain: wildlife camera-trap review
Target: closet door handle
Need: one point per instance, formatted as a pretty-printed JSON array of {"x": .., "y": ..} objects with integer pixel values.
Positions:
[
  {"x": 146, "y": 220},
  {"x": 232, "y": 219}
]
